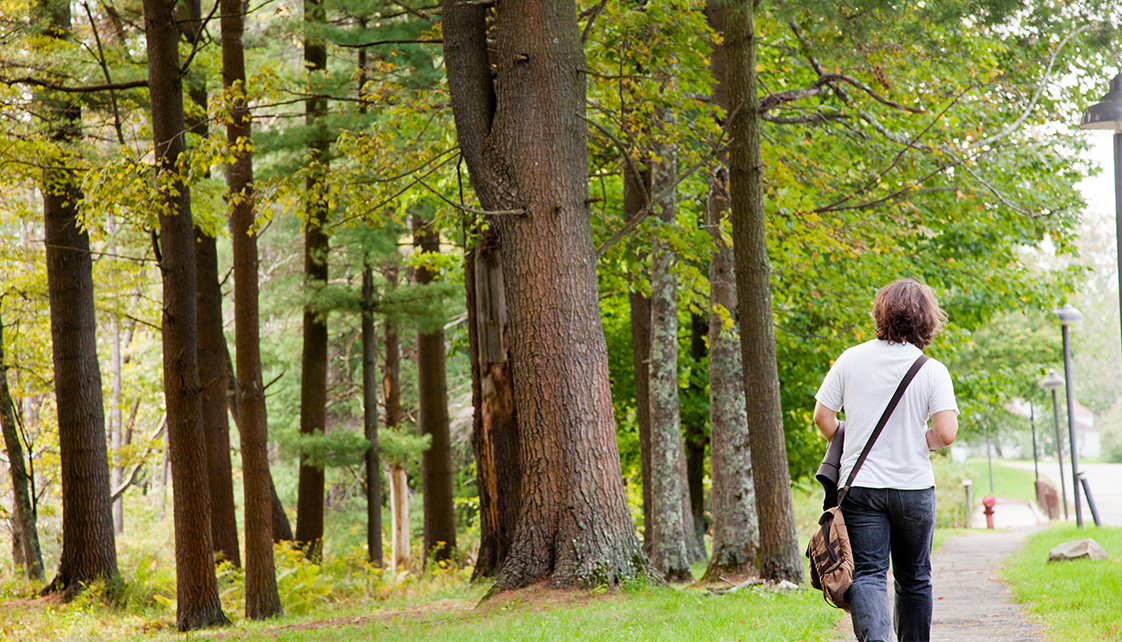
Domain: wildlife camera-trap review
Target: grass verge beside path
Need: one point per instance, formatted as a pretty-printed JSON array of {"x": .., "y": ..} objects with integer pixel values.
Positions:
[{"x": 1076, "y": 601}]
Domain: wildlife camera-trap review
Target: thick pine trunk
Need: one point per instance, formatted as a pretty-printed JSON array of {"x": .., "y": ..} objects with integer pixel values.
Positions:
[
  {"x": 778, "y": 555},
  {"x": 262, "y": 599},
  {"x": 574, "y": 527},
  {"x": 370, "y": 422},
  {"x": 24, "y": 531},
  {"x": 494, "y": 437},
  {"x": 216, "y": 421},
  {"x": 732, "y": 498},
  {"x": 88, "y": 543},
  {"x": 212, "y": 342},
  {"x": 432, "y": 390},
  {"x": 313, "y": 381},
  {"x": 282, "y": 530},
  {"x": 198, "y": 605},
  {"x": 671, "y": 555}
]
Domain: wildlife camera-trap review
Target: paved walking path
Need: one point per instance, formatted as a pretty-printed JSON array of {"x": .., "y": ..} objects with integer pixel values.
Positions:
[{"x": 971, "y": 603}]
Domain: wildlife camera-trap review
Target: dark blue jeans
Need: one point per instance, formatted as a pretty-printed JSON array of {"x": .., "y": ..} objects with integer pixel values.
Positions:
[{"x": 883, "y": 522}]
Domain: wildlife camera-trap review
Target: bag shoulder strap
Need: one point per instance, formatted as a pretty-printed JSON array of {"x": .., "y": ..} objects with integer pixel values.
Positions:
[{"x": 896, "y": 396}]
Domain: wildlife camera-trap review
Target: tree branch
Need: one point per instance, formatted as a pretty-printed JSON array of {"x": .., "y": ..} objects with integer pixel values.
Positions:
[
  {"x": 635, "y": 175},
  {"x": 1036, "y": 96},
  {"x": 87, "y": 89},
  {"x": 592, "y": 14},
  {"x": 472, "y": 210},
  {"x": 375, "y": 43},
  {"x": 131, "y": 477}
]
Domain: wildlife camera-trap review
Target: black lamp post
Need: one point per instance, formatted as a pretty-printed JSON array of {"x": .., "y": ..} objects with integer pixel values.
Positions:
[
  {"x": 1051, "y": 382},
  {"x": 1107, "y": 114},
  {"x": 1068, "y": 315}
]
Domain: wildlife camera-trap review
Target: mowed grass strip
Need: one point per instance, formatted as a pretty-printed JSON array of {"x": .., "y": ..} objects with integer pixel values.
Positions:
[
  {"x": 1009, "y": 482},
  {"x": 1077, "y": 600},
  {"x": 663, "y": 614}
]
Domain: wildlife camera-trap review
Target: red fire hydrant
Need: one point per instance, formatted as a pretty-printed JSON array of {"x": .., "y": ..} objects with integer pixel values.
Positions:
[{"x": 988, "y": 501}]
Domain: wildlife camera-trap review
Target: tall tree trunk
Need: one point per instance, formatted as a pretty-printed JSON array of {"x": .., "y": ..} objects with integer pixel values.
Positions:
[
  {"x": 432, "y": 389},
  {"x": 370, "y": 423},
  {"x": 216, "y": 422},
  {"x": 779, "y": 554},
  {"x": 391, "y": 373},
  {"x": 670, "y": 554},
  {"x": 525, "y": 144},
  {"x": 732, "y": 497},
  {"x": 88, "y": 543},
  {"x": 694, "y": 437},
  {"x": 494, "y": 437},
  {"x": 198, "y": 605},
  {"x": 313, "y": 381},
  {"x": 399, "y": 517},
  {"x": 282, "y": 530},
  {"x": 399, "y": 488},
  {"x": 115, "y": 441},
  {"x": 635, "y": 192},
  {"x": 262, "y": 599},
  {"x": 212, "y": 342},
  {"x": 24, "y": 531}
]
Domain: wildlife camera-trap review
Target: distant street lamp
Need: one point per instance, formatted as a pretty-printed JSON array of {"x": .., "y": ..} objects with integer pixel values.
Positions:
[
  {"x": 1107, "y": 114},
  {"x": 1068, "y": 315},
  {"x": 1051, "y": 382}
]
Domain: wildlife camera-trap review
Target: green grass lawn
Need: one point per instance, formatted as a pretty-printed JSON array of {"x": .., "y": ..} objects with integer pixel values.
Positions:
[
  {"x": 453, "y": 614},
  {"x": 649, "y": 614},
  {"x": 1076, "y": 601},
  {"x": 1013, "y": 483}
]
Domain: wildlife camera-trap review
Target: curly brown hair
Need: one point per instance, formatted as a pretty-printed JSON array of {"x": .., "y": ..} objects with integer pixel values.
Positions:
[{"x": 905, "y": 311}]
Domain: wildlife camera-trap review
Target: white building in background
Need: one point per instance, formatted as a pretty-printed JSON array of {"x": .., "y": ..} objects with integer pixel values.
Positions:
[{"x": 1087, "y": 435}]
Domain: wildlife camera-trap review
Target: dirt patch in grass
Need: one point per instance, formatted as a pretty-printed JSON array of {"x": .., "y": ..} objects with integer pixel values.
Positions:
[
  {"x": 540, "y": 597},
  {"x": 438, "y": 610}
]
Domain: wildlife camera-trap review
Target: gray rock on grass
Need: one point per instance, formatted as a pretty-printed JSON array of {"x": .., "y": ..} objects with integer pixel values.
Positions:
[{"x": 1084, "y": 549}]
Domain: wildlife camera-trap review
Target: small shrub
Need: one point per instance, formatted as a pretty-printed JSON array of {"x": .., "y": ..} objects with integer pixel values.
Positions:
[{"x": 950, "y": 500}]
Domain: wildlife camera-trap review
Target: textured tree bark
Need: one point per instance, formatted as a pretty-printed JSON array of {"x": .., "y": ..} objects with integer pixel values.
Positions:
[
  {"x": 282, "y": 530},
  {"x": 495, "y": 422},
  {"x": 695, "y": 439},
  {"x": 198, "y": 605},
  {"x": 432, "y": 389},
  {"x": 313, "y": 374},
  {"x": 262, "y": 599},
  {"x": 370, "y": 423},
  {"x": 732, "y": 498},
  {"x": 216, "y": 422},
  {"x": 525, "y": 145},
  {"x": 779, "y": 557},
  {"x": 26, "y": 551},
  {"x": 212, "y": 342},
  {"x": 634, "y": 204},
  {"x": 88, "y": 543},
  {"x": 670, "y": 554}
]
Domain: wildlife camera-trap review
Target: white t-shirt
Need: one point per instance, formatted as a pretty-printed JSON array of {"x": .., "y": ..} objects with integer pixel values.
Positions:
[{"x": 862, "y": 382}]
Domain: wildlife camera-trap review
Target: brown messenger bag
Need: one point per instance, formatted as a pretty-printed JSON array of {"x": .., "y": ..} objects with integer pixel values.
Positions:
[{"x": 831, "y": 557}]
